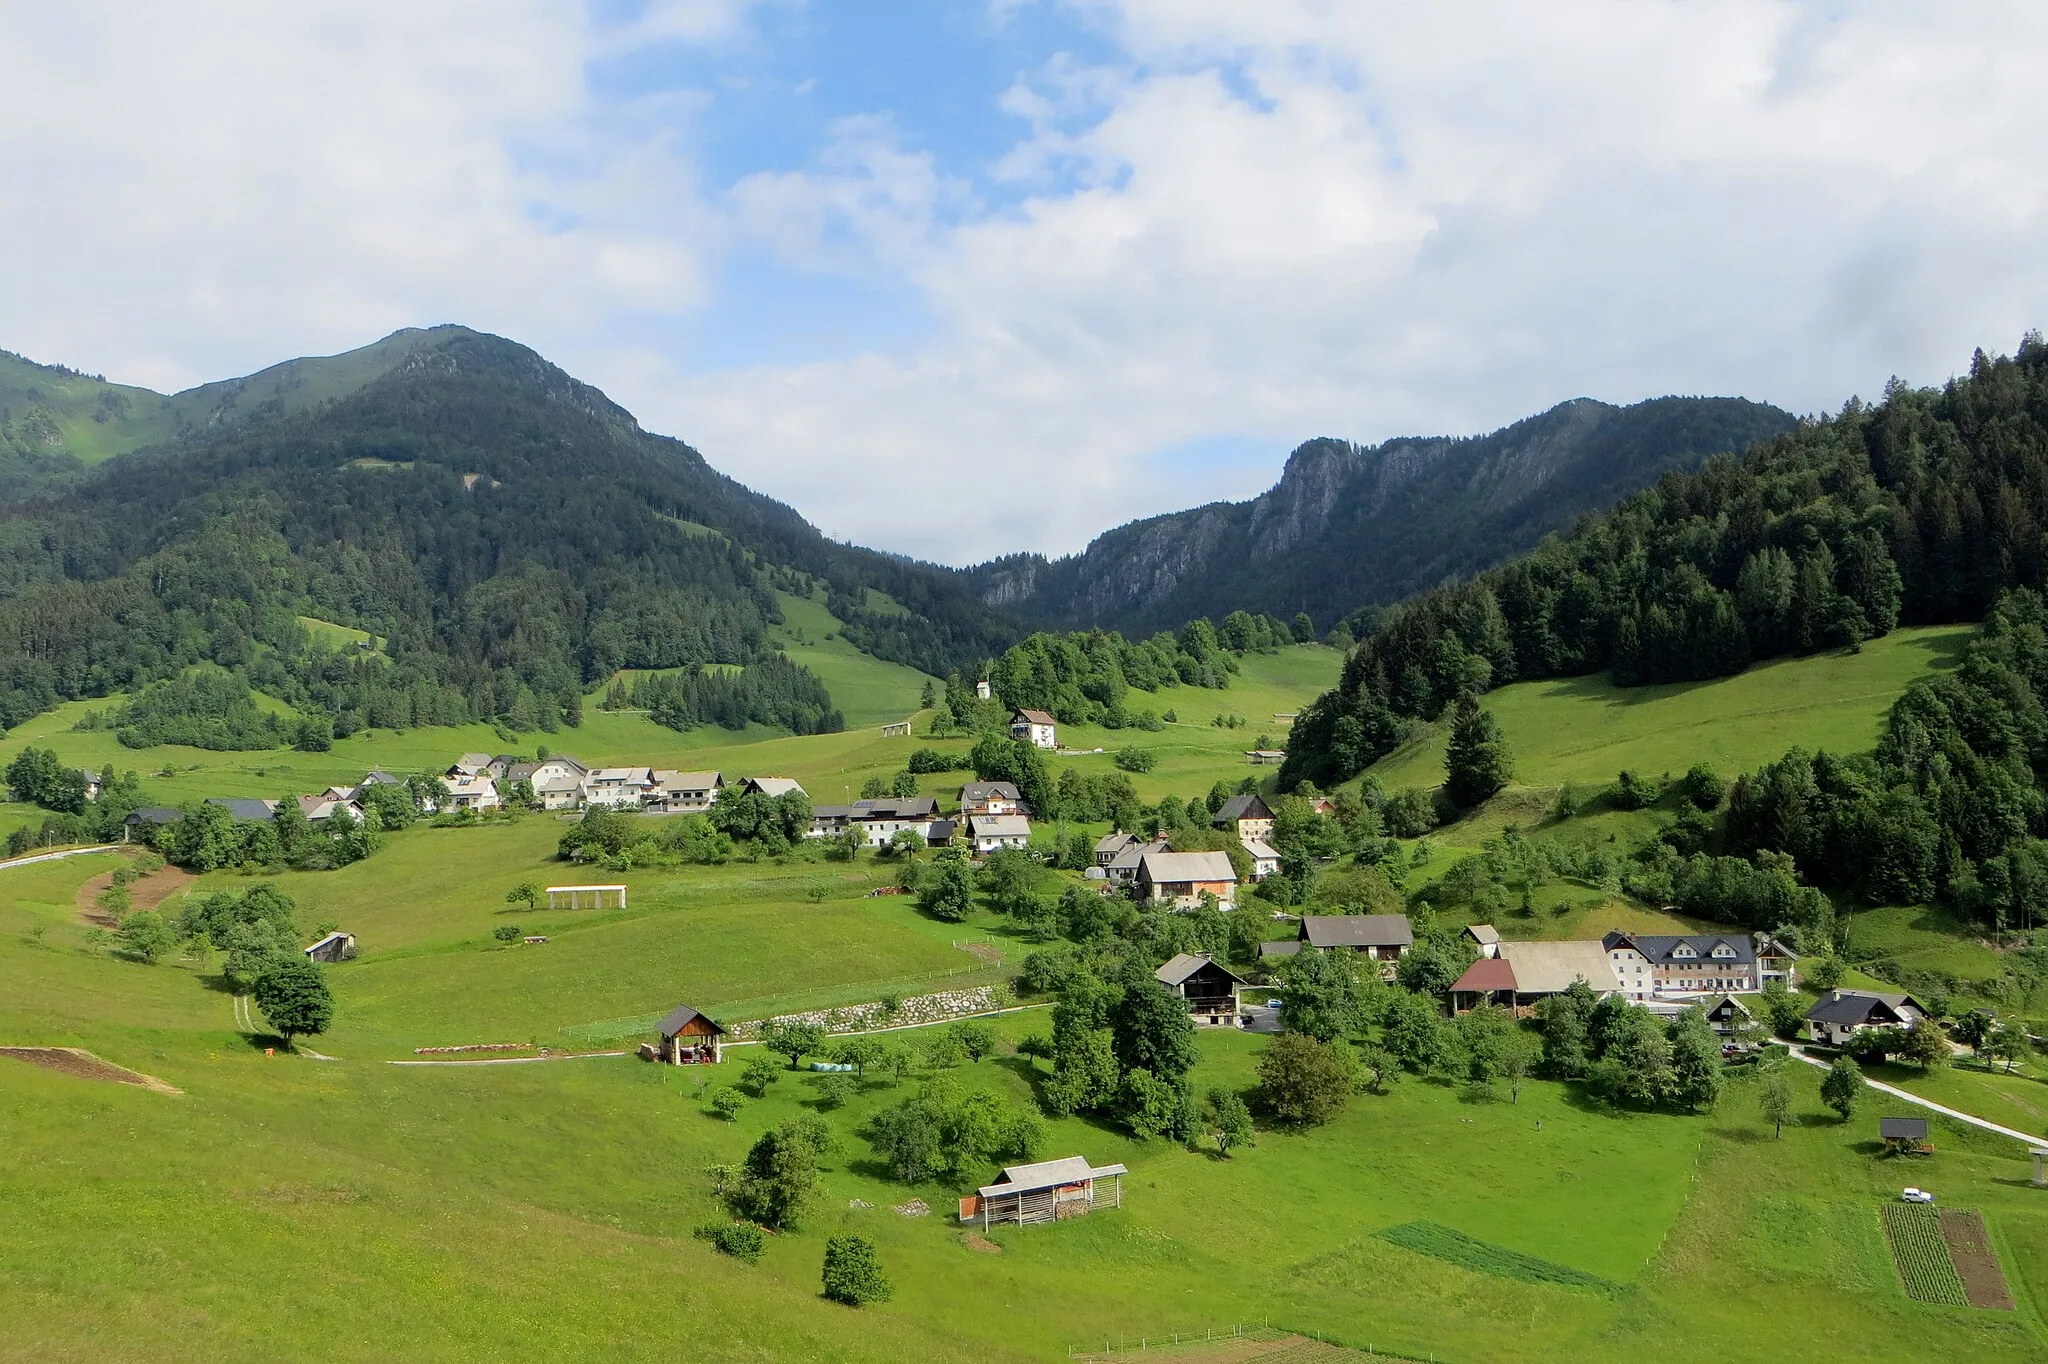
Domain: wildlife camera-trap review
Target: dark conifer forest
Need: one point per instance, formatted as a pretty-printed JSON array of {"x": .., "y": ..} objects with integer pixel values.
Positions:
[
  {"x": 507, "y": 533},
  {"x": 1921, "y": 508}
]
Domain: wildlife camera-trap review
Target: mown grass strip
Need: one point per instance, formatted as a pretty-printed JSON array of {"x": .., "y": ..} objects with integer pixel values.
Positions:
[
  {"x": 1455, "y": 1247},
  {"x": 1913, "y": 1231}
]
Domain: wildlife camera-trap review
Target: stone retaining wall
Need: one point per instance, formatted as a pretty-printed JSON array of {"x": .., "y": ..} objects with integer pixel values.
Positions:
[{"x": 934, "y": 1008}]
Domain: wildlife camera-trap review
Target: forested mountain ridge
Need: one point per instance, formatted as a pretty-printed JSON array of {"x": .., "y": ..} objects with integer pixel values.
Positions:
[
  {"x": 1348, "y": 526},
  {"x": 1922, "y": 508},
  {"x": 512, "y": 533}
]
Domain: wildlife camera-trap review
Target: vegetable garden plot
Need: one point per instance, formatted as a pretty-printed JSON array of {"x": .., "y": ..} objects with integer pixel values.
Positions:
[
  {"x": 1913, "y": 1231},
  {"x": 1969, "y": 1246}
]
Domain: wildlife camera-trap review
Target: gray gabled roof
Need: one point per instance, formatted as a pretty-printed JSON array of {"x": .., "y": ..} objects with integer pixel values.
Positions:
[
  {"x": 1357, "y": 930},
  {"x": 1663, "y": 948},
  {"x": 1902, "y": 1129},
  {"x": 154, "y": 814},
  {"x": 242, "y": 807},
  {"x": 1185, "y": 964},
  {"x": 1246, "y": 805},
  {"x": 1859, "y": 1006},
  {"x": 1172, "y": 868},
  {"x": 679, "y": 1018}
]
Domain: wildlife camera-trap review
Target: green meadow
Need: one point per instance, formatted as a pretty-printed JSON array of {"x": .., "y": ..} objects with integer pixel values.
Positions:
[
  {"x": 1191, "y": 756},
  {"x": 352, "y": 1209},
  {"x": 1586, "y": 729}
]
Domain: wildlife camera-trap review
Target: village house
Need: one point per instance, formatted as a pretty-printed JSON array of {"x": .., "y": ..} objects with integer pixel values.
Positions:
[
  {"x": 1185, "y": 877},
  {"x": 1123, "y": 868},
  {"x": 881, "y": 819},
  {"x": 614, "y": 788},
  {"x": 323, "y": 807},
  {"x": 469, "y": 765},
  {"x": 1109, "y": 845},
  {"x": 1649, "y": 965},
  {"x": 1209, "y": 987},
  {"x": 1245, "y": 815},
  {"x": 1775, "y": 961},
  {"x": 242, "y": 807},
  {"x": 1385, "y": 938},
  {"x": 684, "y": 793},
  {"x": 1526, "y": 973},
  {"x": 772, "y": 787},
  {"x": 829, "y": 821},
  {"x": 939, "y": 833},
  {"x": 140, "y": 823},
  {"x": 472, "y": 793},
  {"x": 1485, "y": 939},
  {"x": 1727, "y": 1015},
  {"x": 992, "y": 798},
  {"x": 556, "y": 780},
  {"x": 1034, "y": 726},
  {"x": 1839, "y": 1015},
  {"x": 986, "y": 833},
  {"x": 1265, "y": 861}
]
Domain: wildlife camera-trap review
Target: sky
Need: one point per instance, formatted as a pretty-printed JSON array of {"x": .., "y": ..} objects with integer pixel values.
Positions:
[{"x": 961, "y": 279}]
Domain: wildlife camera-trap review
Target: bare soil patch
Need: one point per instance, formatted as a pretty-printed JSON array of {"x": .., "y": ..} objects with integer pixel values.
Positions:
[
  {"x": 974, "y": 1240},
  {"x": 1969, "y": 1245},
  {"x": 77, "y": 1061},
  {"x": 147, "y": 893}
]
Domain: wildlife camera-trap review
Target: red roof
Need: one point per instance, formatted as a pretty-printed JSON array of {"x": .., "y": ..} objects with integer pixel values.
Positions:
[{"x": 1488, "y": 973}]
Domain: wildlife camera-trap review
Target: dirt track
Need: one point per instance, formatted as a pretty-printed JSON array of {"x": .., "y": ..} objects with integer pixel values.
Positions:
[
  {"x": 86, "y": 1066},
  {"x": 148, "y": 893}
]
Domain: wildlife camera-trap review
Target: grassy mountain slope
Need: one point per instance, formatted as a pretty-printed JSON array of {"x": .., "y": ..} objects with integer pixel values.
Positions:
[
  {"x": 1347, "y": 525},
  {"x": 1586, "y": 729},
  {"x": 55, "y": 413}
]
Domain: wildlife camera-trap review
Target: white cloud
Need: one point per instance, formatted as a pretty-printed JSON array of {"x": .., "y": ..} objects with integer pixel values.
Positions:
[
  {"x": 1363, "y": 220},
  {"x": 1262, "y": 222},
  {"x": 188, "y": 191}
]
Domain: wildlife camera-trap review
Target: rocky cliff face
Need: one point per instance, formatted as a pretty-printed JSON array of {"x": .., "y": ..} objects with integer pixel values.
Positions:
[{"x": 1349, "y": 525}]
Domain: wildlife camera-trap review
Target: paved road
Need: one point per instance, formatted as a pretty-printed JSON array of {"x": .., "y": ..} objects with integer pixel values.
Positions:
[
  {"x": 2031, "y": 1140},
  {"x": 53, "y": 856}
]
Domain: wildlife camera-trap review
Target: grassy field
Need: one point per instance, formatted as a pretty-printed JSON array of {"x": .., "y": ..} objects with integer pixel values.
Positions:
[
  {"x": 1585, "y": 729},
  {"x": 357, "y": 1210},
  {"x": 832, "y": 767},
  {"x": 867, "y": 690}
]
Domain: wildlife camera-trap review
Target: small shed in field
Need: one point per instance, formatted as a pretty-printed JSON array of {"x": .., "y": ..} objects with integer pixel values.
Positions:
[
  {"x": 1049, "y": 1191},
  {"x": 586, "y": 897},
  {"x": 1907, "y": 1136},
  {"x": 688, "y": 1038},
  {"x": 334, "y": 947}
]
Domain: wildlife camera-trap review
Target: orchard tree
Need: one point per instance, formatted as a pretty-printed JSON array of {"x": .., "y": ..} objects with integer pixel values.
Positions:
[
  {"x": 292, "y": 992},
  {"x": 1303, "y": 1081},
  {"x": 779, "y": 1177},
  {"x": 1226, "y": 1119},
  {"x": 795, "y": 1039},
  {"x": 853, "y": 1273},
  {"x": 1925, "y": 1046},
  {"x": 1842, "y": 1087},
  {"x": 1774, "y": 1097},
  {"x": 946, "y": 890},
  {"x": 860, "y": 1053}
]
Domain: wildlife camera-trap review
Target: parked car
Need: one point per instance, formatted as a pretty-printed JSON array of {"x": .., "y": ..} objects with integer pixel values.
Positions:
[{"x": 1916, "y": 1196}]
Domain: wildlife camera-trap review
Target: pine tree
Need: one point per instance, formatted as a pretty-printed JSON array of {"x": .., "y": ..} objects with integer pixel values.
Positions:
[{"x": 1477, "y": 763}]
